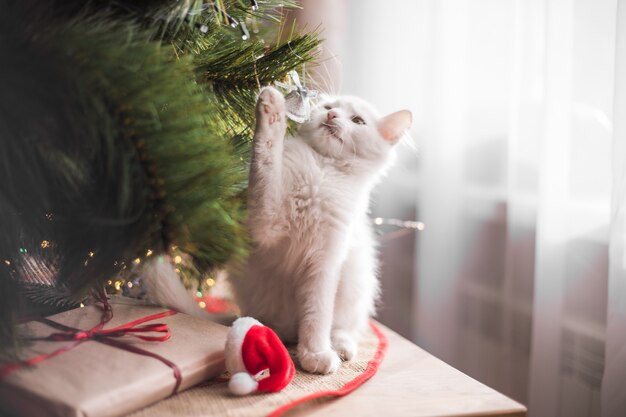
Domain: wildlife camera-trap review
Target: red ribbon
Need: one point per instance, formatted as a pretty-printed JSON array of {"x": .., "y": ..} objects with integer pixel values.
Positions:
[{"x": 106, "y": 336}]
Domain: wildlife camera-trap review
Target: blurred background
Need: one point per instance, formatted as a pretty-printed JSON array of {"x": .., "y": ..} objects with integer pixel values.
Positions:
[{"x": 518, "y": 278}]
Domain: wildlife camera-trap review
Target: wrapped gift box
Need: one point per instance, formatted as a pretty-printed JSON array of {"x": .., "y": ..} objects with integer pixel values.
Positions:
[{"x": 98, "y": 380}]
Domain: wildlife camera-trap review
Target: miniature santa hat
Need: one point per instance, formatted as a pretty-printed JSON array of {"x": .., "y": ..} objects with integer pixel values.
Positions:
[{"x": 252, "y": 348}]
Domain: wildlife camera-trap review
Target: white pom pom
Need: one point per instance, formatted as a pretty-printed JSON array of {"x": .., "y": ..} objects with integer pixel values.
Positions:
[{"x": 242, "y": 383}]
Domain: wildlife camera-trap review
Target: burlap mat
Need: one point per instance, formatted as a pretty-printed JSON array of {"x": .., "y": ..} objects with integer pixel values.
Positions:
[{"x": 213, "y": 398}]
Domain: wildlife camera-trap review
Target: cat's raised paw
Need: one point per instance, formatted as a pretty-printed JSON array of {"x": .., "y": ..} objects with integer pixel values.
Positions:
[
  {"x": 344, "y": 345},
  {"x": 324, "y": 362},
  {"x": 270, "y": 107}
]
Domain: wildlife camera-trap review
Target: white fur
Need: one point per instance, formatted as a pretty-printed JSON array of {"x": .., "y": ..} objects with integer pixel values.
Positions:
[
  {"x": 234, "y": 341},
  {"x": 241, "y": 382},
  {"x": 163, "y": 287},
  {"x": 311, "y": 274}
]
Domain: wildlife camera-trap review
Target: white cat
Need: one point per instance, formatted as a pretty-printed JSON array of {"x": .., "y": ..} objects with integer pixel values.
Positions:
[{"x": 311, "y": 273}]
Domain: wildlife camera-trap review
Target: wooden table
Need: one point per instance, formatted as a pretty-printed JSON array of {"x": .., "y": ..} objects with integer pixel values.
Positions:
[{"x": 412, "y": 382}]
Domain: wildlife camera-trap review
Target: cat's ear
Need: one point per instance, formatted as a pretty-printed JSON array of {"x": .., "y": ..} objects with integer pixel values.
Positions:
[{"x": 392, "y": 126}]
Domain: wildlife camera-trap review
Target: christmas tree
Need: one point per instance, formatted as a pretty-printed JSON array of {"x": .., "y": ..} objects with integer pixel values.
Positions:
[{"x": 123, "y": 135}]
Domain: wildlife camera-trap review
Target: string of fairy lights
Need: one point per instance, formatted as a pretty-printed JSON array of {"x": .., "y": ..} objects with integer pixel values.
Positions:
[
  {"x": 129, "y": 283},
  {"x": 133, "y": 287}
]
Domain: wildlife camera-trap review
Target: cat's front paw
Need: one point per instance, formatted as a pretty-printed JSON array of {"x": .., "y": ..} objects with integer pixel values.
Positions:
[
  {"x": 270, "y": 108},
  {"x": 344, "y": 344},
  {"x": 324, "y": 362}
]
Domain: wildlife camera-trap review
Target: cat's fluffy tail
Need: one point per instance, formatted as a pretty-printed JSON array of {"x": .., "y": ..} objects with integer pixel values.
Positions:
[{"x": 163, "y": 287}]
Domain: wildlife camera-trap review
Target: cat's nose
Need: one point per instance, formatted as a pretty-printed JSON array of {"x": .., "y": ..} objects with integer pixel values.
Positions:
[{"x": 331, "y": 115}]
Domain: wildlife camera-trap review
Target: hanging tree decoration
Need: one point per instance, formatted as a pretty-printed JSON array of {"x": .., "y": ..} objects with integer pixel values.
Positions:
[{"x": 297, "y": 101}]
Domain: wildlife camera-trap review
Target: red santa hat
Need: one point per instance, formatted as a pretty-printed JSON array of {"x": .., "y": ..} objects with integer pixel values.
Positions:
[{"x": 252, "y": 348}]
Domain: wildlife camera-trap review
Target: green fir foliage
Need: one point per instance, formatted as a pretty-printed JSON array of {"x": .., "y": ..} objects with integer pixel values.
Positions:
[{"x": 117, "y": 127}]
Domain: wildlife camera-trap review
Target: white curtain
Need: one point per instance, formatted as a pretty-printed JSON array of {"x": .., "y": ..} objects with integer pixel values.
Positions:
[
  {"x": 519, "y": 278},
  {"x": 613, "y": 383}
]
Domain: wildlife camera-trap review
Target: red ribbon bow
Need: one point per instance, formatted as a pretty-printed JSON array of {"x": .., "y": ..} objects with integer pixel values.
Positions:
[{"x": 106, "y": 336}]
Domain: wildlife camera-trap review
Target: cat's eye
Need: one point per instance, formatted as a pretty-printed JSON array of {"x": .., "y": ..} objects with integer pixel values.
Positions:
[
  {"x": 358, "y": 120},
  {"x": 327, "y": 107}
]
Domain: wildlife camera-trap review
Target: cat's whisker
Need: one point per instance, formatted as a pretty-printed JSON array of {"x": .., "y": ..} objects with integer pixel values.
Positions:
[
  {"x": 328, "y": 80},
  {"x": 341, "y": 149},
  {"x": 334, "y": 130},
  {"x": 322, "y": 79},
  {"x": 353, "y": 151}
]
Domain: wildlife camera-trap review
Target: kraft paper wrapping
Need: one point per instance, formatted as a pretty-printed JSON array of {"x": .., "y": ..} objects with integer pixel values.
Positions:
[{"x": 98, "y": 380}]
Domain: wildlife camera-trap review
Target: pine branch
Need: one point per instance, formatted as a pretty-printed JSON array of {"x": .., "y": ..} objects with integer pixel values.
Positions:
[
  {"x": 164, "y": 19},
  {"x": 57, "y": 297},
  {"x": 115, "y": 140},
  {"x": 237, "y": 81},
  {"x": 124, "y": 130}
]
